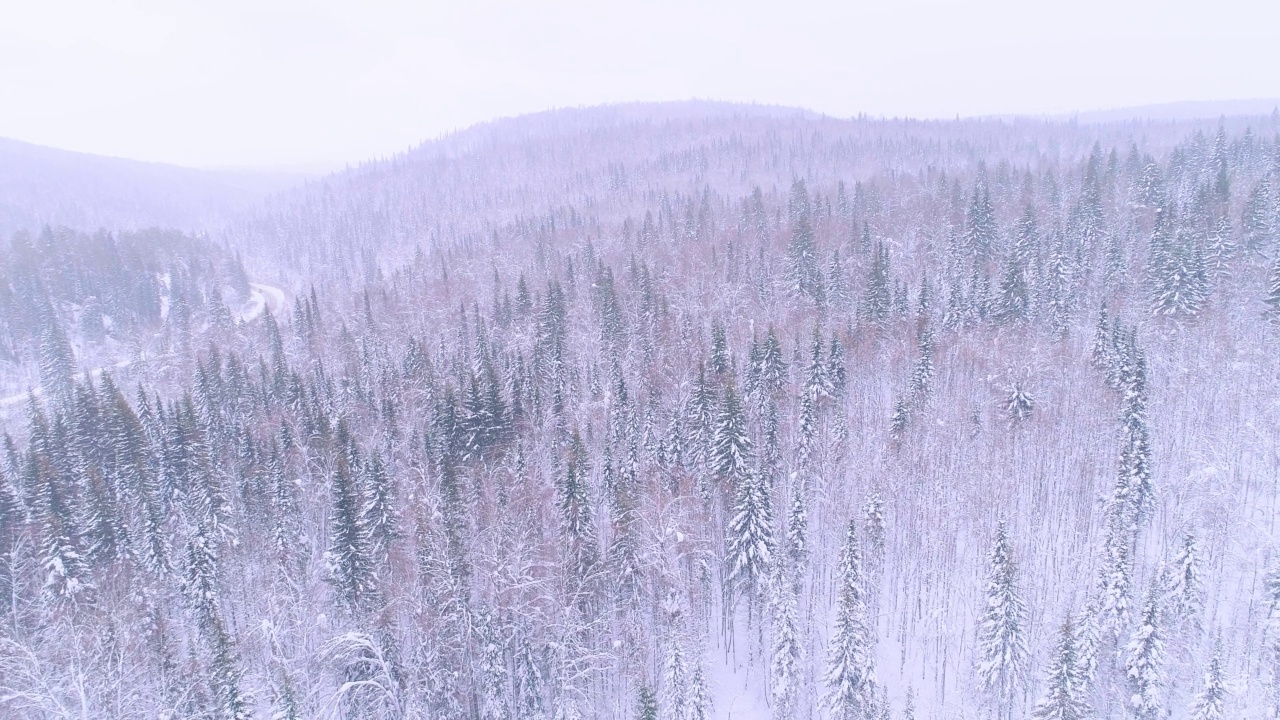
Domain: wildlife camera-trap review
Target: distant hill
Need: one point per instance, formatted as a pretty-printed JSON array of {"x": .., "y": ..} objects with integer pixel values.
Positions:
[
  {"x": 1194, "y": 110},
  {"x": 45, "y": 186}
]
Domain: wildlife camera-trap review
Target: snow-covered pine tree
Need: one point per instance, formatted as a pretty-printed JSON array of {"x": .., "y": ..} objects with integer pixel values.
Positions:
[
  {"x": 1020, "y": 404},
  {"x": 1184, "y": 586},
  {"x": 1135, "y": 442},
  {"x": 785, "y": 672},
  {"x": 1271, "y": 637},
  {"x": 851, "y": 675},
  {"x": 797, "y": 546},
  {"x": 675, "y": 680},
  {"x": 1212, "y": 699},
  {"x": 920, "y": 385},
  {"x": 378, "y": 507},
  {"x": 1175, "y": 270},
  {"x": 1116, "y": 572},
  {"x": 350, "y": 555},
  {"x": 730, "y": 443},
  {"x": 750, "y": 534},
  {"x": 1064, "y": 698},
  {"x": 1273, "y": 291},
  {"x": 57, "y": 360},
  {"x": 699, "y": 695},
  {"x": 577, "y": 522},
  {"x": 1002, "y": 641},
  {"x": 1145, "y": 665},
  {"x": 803, "y": 272},
  {"x": 719, "y": 357},
  {"x": 1014, "y": 300},
  {"x": 877, "y": 300},
  {"x": 876, "y": 528}
]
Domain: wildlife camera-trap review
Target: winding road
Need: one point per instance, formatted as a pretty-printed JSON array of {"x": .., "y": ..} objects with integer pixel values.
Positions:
[{"x": 261, "y": 296}]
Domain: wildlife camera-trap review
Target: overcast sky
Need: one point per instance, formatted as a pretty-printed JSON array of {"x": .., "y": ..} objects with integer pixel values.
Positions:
[{"x": 255, "y": 82}]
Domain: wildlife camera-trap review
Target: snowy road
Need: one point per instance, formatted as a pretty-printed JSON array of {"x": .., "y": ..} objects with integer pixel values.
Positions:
[{"x": 260, "y": 297}]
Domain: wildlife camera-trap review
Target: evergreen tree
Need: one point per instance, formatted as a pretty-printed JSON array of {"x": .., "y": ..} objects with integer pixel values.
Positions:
[
  {"x": 63, "y": 564},
  {"x": 57, "y": 360},
  {"x": 873, "y": 518},
  {"x": 797, "y": 525},
  {"x": 1175, "y": 270},
  {"x": 1002, "y": 642},
  {"x": 646, "y": 705},
  {"x": 876, "y": 299},
  {"x": 784, "y": 651},
  {"x": 730, "y": 443},
  {"x": 1184, "y": 586},
  {"x": 699, "y": 696},
  {"x": 1144, "y": 667},
  {"x": 803, "y": 273},
  {"x": 350, "y": 555},
  {"x": 1020, "y": 404},
  {"x": 1064, "y": 698},
  {"x": 378, "y": 507},
  {"x": 1014, "y": 300},
  {"x": 719, "y": 349},
  {"x": 851, "y": 676},
  {"x": 1273, "y": 291},
  {"x": 576, "y": 519},
  {"x": 750, "y": 533},
  {"x": 1211, "y": 702}
]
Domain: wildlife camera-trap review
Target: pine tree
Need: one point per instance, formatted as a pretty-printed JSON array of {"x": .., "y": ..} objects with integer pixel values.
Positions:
[
  {"x": 719, "y": 350},
  {"x": 873, "y": 517},
  {"x": 850, "y": 676},
  {"x": 1273, "y": 291},
  {"x": 773, "y": 372},
  {"x": 1135, "y": 442},
  {"x": 1020, "y": 404},
  {"x": 576, "y": 520},
  {"x": 1144, "y": 668},
  {"x": 730, "y": 443},
  {"x": 1014, "y": 300},
  {"x": 797, "y": 525},
  {"x": 803, "y": 274},
  {"x": 1116, "y": 574},
  {"x": 350, "y": 553},
  {"x": 750, "y": 534},
  {"x": 646, "y": 705},
  {"x": 1175, "y": 270},
  {"x": 1002, "y": 643},
  {"x": 784, "y": 649},
  {"x": 64, "y": 566},
  {"x": 378, "y": 507},
  {"x": 1184, "y": 586},
  {"x": 675, "y": 681},
  {"x": 57, "y": 360},
  {"x": 1271, "y": 635},
  {"x": 876, "y": 299},
  {"x": 1212, "y": 700},
  {"x": 1064, "y": 697},
  {"x": 699, "y": 696}
]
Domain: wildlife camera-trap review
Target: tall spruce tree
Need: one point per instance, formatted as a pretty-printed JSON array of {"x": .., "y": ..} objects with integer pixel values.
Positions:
[
  {"x": 1064, "y": 698},
  {"x": 1002, "y": 642},
  {"x": 1145, "y": 664},
  {"x": 851, "y": 676}
]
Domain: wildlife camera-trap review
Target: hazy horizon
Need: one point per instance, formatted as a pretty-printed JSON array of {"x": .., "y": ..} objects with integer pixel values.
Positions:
[{"x": 320, "y": 84}]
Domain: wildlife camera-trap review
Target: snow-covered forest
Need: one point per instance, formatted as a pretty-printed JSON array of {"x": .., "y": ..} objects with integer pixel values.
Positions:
[{"x": 673, "y": 412}]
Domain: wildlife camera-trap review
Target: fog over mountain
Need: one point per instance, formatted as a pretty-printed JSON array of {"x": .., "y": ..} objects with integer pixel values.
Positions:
[
  {"x": 656, "y": 410},
  {"x": 44, "y": 186}
]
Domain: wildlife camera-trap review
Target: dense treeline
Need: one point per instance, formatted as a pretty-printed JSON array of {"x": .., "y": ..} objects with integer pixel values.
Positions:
[
  {"x": 981, "y": 428},
  {"x": 105, "y": 289}
]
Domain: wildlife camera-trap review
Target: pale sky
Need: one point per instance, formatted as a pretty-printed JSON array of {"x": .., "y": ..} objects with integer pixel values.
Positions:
[{"x": 257, "y": 82}]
